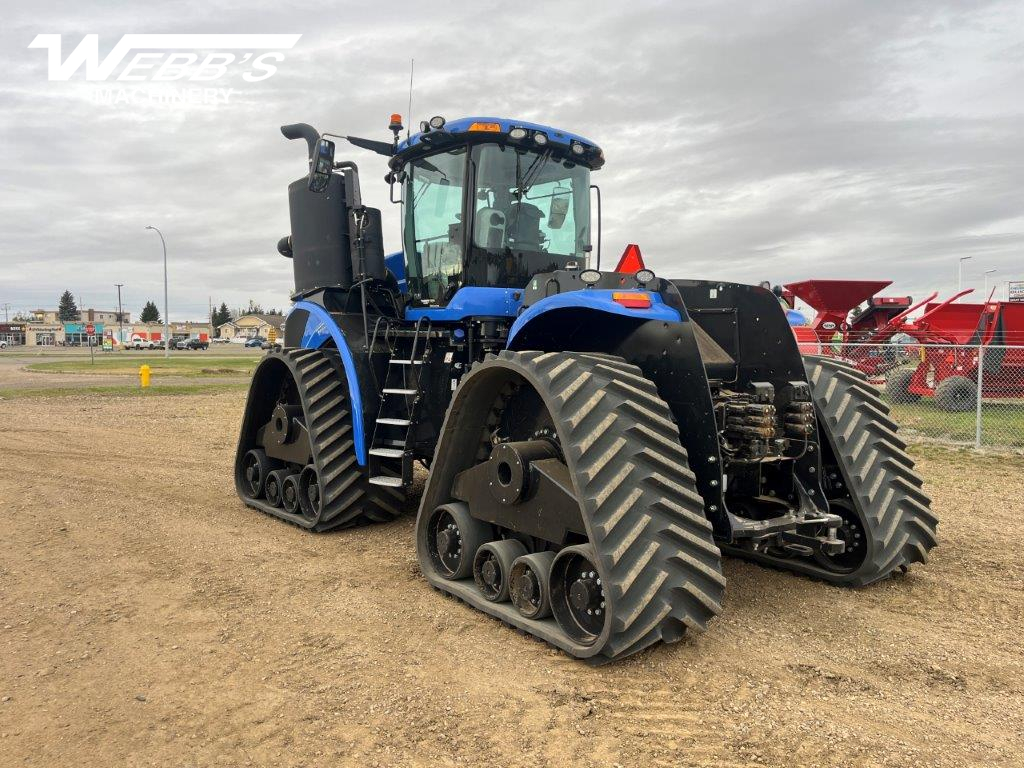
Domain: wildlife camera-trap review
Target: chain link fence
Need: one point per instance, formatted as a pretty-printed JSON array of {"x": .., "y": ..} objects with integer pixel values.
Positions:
[{"x": 966, "y": 395}]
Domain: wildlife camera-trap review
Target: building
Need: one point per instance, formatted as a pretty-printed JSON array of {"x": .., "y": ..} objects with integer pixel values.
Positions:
[
  {"x": 13, "y": 333},
  {"x": 252, "y": 325},
  {"x": 45, "y": 329},
  {"x": 44, "y": 334},
  {"x": 108, "y": 317},
  {"x": 155, "y": 331}
]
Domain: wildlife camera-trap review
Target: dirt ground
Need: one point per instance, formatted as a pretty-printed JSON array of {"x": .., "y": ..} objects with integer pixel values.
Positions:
[{"x": 148, "y": 618}]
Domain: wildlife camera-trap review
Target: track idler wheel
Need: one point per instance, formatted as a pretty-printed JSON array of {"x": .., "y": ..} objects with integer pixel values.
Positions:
[
  {"x": 255, "y": 468},
  {"x": 577, "y": 595},
  {"x": 851, "y": 533},
  {"x": 529, "y": 587},
  {"x": 454, "y": 536},
  {"x": 309, "y": 493},
  {"x": 492, "y": 568}
]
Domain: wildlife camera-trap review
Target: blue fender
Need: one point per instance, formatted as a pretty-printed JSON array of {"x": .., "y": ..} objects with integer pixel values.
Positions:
[
  {"x": 320, "y": 327},
  {"x": 593, "y": 300}
]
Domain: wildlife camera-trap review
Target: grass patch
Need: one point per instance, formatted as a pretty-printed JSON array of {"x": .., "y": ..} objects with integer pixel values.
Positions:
[
  {"x": 195, "y": 365},
  {"x": 120, "y": 391},
  {"x": 1001, "y": 424}
]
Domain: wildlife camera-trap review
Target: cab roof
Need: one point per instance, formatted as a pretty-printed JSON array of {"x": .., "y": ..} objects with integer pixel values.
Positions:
[{"x": 497, "y": 129}]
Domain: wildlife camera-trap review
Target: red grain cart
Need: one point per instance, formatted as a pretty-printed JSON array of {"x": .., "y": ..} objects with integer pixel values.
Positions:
[{"x": 949, "y": 335}]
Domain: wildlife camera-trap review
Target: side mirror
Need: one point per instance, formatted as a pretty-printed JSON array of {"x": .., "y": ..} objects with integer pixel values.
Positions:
[
  {"x": 322, "y": 166},
  {"x": 559, "y": 210}
]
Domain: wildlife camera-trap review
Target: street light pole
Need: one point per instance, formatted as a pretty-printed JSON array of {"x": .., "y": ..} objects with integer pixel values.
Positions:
[
  {"x": 120, "y": 315},
  {"x": 960, "y": 273},
  {"x": 167, "y": 320},
  {"x": 987, "y": 273}
]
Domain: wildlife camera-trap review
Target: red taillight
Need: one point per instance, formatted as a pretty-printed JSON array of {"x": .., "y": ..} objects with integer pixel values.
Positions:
[{"x": 632, "y": 300}]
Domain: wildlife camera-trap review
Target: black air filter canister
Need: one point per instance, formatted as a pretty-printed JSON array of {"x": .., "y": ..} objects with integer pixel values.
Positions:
[{"x": 321, "y": 253}]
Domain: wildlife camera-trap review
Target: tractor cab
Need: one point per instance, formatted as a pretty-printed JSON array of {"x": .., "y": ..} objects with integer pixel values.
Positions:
[{"x": 491, "y": 202}]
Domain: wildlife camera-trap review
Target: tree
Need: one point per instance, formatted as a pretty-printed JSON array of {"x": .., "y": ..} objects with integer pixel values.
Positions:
[
  {"x": 254, "y": 308},
  {"x": 68, "y": 310},
  {"x": 223, "y": 314},
  {"x": 150, "y": 314}
]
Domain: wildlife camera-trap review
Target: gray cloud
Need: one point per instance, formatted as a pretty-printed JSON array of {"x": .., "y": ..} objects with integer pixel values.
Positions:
[{"x": 744, "y": 141}]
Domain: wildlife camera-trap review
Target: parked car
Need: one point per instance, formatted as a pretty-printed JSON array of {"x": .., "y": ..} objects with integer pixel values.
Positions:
[
  {"x": 256, "y": 341},
  {"x": 270, "y": 345},
  {"x": 3, "y": 344},
  {"x": 143, "y": 344},
  {"x": 194, "y": 343},
  {"x": 221, "y": 340}
]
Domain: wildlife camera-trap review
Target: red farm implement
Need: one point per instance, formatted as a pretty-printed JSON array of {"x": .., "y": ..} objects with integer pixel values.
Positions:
[{"x": 948, "y": 338}]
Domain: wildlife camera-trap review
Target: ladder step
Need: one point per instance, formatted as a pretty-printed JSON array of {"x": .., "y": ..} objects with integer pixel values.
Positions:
[
  {"x": 393, "y": 482},
  {"x": 395, "y": 422},
  {"x": 395, "y": 361},
  {"x": 390, "y": 391},
  {"x": 388, "y": 453}
]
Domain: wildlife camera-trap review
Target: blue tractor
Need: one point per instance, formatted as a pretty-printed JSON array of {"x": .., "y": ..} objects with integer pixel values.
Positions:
[{"x": 595, "y": 440}]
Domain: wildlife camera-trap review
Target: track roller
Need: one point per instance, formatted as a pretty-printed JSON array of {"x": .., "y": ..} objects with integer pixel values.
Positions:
[
  {"x": 274, "y": 487},
  {"x": 290, "y": 493},
  {"x": 492, "y": 568},
  {"x": 529, "y": 587}
]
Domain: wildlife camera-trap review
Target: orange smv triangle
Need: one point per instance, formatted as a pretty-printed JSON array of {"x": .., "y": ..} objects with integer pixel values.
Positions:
[{"x": 631, "y": 260}]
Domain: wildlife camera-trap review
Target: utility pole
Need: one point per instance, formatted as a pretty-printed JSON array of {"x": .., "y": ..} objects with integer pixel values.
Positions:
[
  {"x": 167, "y": 319},
  {"x": 120, "y": 315},
  {"x": 7, "y": 308}
]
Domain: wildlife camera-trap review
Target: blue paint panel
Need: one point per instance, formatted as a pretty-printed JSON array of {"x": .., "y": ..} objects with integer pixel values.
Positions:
[
  {"x": 320, "y": 327},
  {"x": 597, "y": 300},
  {"x": 461, "y": 125},
  {"x": 471, "y": 301},
  {"x": 396, "y": 263}
]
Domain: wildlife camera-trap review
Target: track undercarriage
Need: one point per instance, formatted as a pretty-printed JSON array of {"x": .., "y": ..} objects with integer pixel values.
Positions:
[{"x": 296, "y": 457}]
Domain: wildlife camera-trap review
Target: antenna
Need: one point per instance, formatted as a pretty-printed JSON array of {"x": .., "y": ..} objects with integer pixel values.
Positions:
[{"x": 412, "y": 67}]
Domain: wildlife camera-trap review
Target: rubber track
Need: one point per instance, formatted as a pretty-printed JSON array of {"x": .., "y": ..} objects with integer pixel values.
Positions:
[
  {"x": 876, "y": 470},
  {"x": 657, "y": 559},
  {"x": 348, "y": 497}
]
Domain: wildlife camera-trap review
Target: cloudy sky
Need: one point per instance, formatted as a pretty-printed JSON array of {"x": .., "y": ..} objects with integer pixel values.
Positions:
[{"x": 745, "y": 141}]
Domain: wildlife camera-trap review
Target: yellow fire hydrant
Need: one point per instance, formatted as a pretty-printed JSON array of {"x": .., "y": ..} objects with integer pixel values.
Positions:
[{"x": 144, "y": 376}]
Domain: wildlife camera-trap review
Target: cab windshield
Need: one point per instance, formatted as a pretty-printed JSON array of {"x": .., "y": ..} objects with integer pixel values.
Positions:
[
  {"x": 528, "y": 211},
  {"x": 531, "y": 213}
]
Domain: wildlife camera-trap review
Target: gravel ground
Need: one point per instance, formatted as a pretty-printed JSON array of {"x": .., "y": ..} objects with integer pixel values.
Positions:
[{"x": 148, "y": 618}]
